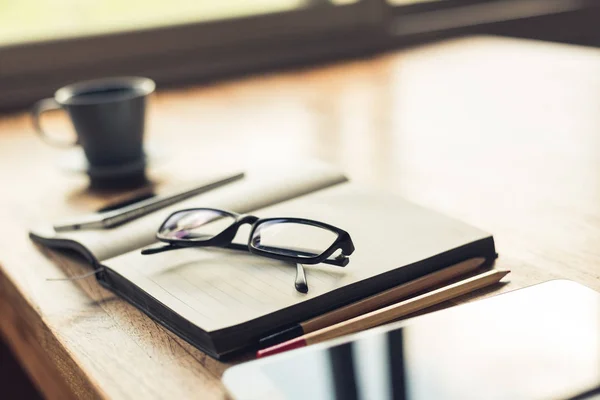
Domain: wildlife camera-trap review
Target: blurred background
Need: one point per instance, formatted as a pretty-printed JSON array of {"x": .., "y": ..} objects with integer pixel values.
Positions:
[{"x": 45, "y": 44}]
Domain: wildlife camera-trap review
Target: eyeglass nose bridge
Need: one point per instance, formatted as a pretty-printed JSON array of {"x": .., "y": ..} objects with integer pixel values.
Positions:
[
  {"x": 246, "y": 219},
  {"x": 229, "y": 233}
]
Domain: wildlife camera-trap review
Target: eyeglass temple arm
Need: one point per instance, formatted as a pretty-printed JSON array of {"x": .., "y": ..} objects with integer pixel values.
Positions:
[
  {"x": 173, "y": 246},
  {"x": 162, "y": 247},
  {"x": 159, "y": 249}
]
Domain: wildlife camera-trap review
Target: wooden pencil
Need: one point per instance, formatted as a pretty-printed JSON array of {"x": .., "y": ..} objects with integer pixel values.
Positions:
[
  {"x": 389, "y": 313},
  {"x": 374, "y": 302}
]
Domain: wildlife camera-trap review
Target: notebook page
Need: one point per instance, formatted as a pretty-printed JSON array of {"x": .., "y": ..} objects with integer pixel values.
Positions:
[
  {"x": 260, "y": 187},
  {"x": 215, "y": 288}
]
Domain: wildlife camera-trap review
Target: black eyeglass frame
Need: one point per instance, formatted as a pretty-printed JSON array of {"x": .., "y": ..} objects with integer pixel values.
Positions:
[{"x": 343, "y": 241}]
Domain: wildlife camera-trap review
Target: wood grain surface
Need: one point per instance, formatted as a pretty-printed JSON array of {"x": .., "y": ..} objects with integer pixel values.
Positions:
[{"x": 501, "y": 133}]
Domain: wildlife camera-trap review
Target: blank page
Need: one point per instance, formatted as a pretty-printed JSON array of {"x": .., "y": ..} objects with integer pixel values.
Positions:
[{"x": 217, "y": 288}]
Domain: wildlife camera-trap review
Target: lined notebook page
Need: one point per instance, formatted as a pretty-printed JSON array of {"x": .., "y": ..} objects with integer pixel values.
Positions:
[
  {"x": 259, "y": 188},
  {"x": 215, "y": 288}
]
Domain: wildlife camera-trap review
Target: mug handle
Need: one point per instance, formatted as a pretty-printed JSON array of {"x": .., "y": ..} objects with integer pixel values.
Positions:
[{"x": 40, "y": 107}]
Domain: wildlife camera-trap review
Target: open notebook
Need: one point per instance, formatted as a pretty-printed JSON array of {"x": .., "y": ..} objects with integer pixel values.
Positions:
[{"x": 223, "y": 301}]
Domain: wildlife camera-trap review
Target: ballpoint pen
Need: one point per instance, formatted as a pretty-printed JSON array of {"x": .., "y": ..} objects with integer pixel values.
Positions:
[{"x": 110, "y": 219}]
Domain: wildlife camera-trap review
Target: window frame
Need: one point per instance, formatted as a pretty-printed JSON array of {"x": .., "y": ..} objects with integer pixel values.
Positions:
[
  {"x": 188, "y": 52},
  {"x": 206, "y": 51}
]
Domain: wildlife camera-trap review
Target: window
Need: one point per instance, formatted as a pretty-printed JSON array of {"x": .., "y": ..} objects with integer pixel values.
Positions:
[
  {"x": 39, "y": 20},
  {"x": 45, "y": 44}
]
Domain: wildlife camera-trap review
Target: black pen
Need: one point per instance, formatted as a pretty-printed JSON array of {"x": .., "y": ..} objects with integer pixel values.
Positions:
[{"x": 110, "y": 219}]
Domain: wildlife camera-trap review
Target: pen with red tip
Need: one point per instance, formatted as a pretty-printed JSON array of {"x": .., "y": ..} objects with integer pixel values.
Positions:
[
  {"x": 385, "y": 298},
  {"x": 389, "y": 313}
]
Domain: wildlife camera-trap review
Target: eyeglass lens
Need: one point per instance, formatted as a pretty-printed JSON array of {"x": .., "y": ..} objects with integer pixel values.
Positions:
[
  {"x": 195, "y": 224},
  {"x": 292, "y": 238}
]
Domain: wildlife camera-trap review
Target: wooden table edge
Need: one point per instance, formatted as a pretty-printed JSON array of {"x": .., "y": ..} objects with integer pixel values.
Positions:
[{"x": 49, "y": 364}]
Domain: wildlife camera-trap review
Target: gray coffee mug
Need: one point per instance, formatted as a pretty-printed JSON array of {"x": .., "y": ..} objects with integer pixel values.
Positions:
[{"x": 108, "y": 115}]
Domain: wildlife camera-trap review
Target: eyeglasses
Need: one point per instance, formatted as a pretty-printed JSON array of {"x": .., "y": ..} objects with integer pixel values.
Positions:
[{"x": 296, "y": 240}]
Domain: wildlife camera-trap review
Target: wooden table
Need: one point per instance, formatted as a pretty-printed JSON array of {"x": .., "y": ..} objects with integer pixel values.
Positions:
[{"x": 501, "y": 133}]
